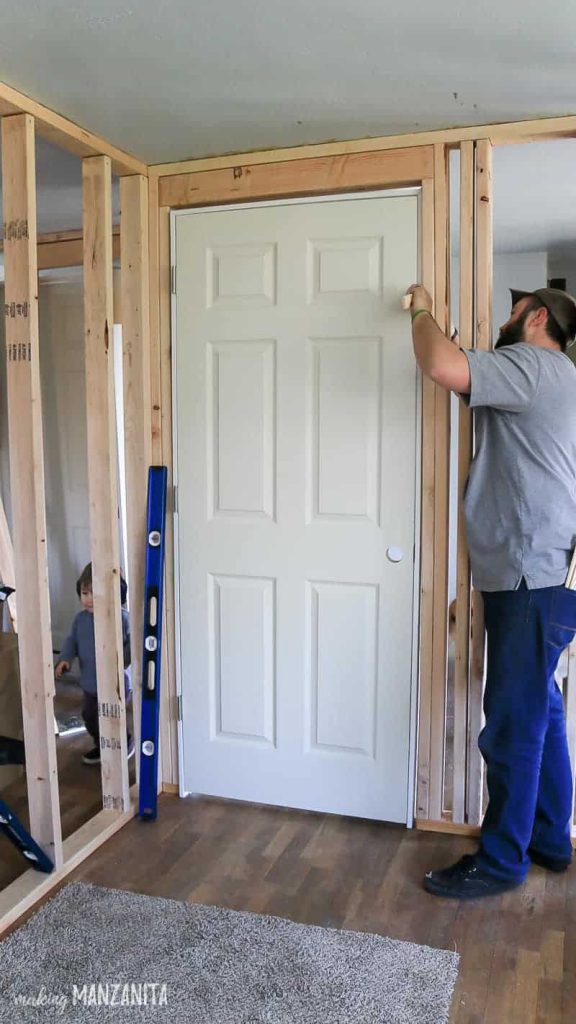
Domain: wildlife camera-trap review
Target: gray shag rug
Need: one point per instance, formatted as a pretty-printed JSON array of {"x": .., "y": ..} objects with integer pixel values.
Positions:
[{"x": 97, "y": 955}]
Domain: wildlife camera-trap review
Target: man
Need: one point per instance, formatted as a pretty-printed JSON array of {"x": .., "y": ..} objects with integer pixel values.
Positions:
[{"x": 520, "y": 511}]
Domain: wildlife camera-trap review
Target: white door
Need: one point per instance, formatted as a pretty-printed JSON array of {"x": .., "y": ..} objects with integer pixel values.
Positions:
[{"x": 296, "y": 464}]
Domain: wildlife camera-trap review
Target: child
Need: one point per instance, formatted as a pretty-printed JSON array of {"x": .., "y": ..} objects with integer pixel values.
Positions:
[{"x": 80, "y": 643}]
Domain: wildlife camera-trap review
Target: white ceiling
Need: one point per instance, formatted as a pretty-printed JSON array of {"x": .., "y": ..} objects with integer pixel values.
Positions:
[{"x": 171, "y": 79}]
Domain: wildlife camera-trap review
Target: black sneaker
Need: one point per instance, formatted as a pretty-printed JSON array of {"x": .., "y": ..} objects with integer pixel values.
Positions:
[
  {"x": 550, "y": 863},
  {"x": 466, "y": 881},
  {"x": 92, "y": 756}
]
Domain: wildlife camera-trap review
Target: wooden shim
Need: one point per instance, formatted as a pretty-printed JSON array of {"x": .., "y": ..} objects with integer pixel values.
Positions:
[
  {"x": 27, "y": 890},
  {"x": 103, "y": 479},
  {"x": 426, "y": 530},
  {"x": 441, "y": 498},
  {"x": 305, "y": 177},
  {"x": 462, "y": 630},
  {"x": 64, "y": 133},
  {"x": 135, "y": 282},
  {"x": 27, "y": 481},
  {"x": 509, "y": 132}
]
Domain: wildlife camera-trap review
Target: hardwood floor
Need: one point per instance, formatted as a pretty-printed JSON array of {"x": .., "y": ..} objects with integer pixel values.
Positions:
[{"x": 518, "y": 951}]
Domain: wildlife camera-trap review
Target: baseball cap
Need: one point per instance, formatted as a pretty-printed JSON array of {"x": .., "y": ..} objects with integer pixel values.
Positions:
[{"x": 560, "y": 305}]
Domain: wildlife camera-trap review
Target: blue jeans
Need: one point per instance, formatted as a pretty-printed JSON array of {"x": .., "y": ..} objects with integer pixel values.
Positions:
[{"x": 524, "y": 739}]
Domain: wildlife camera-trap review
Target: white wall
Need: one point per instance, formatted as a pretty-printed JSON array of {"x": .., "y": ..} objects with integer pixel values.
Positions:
[
  {"x": 523, "y": 270},
  {"x": 562, "y": 266}
]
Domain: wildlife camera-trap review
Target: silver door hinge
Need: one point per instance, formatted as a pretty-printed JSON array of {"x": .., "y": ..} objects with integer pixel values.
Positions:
[
  {"x": 179, "y": 707},
  {"x": 175, "y": 499},
  {"x": 173, "y": 279}
]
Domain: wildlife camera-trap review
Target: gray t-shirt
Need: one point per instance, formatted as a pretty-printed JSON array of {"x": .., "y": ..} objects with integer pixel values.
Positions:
[
  {"x": 80, "y": 643},
  {"x": 520, "y": 499}
]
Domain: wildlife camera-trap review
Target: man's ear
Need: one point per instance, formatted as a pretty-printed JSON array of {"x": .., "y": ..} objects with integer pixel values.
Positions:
[{"x": 538, "y": 317}]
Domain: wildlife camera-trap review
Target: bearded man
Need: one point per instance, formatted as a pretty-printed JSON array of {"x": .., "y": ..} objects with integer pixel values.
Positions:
[{"x": 520, "y": 511}]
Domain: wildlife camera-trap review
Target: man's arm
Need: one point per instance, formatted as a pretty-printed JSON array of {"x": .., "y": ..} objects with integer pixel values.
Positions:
[{"x": 438, "y": 357}]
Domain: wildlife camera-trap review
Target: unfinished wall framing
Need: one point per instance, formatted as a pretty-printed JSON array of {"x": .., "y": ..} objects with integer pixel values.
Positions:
[
  {"x": 24, "y": 254},
  {"x": 321, "y": 169},
  {"x": 148, "y": 194}
]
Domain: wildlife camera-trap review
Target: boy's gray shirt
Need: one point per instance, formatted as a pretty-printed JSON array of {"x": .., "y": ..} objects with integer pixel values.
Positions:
[
  {"x": 520, "y": 499},
  {"x": 80, "y": 643}
]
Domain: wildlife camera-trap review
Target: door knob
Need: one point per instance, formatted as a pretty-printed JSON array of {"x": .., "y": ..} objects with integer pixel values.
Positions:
[{"x": 395, "y": 554}]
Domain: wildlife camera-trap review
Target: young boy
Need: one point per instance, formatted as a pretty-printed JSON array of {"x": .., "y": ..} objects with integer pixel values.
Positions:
[{"x": 80, "y": 643}]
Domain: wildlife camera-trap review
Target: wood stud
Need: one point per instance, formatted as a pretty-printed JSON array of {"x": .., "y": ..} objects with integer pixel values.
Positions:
[
  {"x": 441, "y": 495},
  {"x": 27, "y": 480},
  {"x": 462, "y": 626},
  {"x": 103, "y": 479},
  {"x": 483, "y": 314},
  {"x": 426, "y": 532}
]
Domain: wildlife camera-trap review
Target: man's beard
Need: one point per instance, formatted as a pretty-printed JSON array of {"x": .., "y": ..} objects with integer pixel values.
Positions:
[{"x": 514, "y": 333}]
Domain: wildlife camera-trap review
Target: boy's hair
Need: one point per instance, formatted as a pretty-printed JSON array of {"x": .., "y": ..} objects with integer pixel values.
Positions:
[{"x": 85, "y": 580}]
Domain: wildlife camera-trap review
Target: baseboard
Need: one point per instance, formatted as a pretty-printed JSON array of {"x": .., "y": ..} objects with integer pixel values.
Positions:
[{"x": 170, "y": 787}]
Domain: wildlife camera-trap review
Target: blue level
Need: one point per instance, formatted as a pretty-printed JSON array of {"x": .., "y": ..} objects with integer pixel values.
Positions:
[
  {"x": 151, "y": 659},
  {"x": 13, "y": 828}
]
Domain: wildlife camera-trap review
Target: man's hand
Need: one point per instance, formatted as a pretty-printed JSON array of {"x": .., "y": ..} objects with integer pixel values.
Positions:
[
  {"x": 61, "y": 668},
  {"x": 421, "y": 299},
  {"x": 436, "y": 356}
]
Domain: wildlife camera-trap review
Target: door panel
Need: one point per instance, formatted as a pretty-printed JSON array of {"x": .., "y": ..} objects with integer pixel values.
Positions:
[{"x": 296, "y": 464}]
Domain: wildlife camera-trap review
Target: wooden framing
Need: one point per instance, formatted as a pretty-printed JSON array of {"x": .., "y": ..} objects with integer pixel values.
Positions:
[
  {"x": 463, "y": 583},
  {"x": 16, "y": 899},
  {"x": 441, "y": 494},
  {"x": 424, "y": 755},
  {"x": 483, "y": 312},
  {"x": 137, "y": 420},
  {"x": 507, "y": 133},
  {"x": 65, "y": 249},
  {"x": 103, "y": 479},
  {"x": 27, "y": 480},
  {"x": 434, "y": 509},
  {"x": 64, "y": 133},
  {"x": 335, "y": 167},
  {"x": 316, "y": 176}
]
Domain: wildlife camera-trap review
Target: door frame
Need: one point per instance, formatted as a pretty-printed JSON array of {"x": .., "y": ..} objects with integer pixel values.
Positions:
[{"x": 388, "y": 192}]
